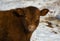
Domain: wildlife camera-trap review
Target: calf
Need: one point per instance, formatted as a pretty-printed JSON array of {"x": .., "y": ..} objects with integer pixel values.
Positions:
[{"x": 19, "y": 24}]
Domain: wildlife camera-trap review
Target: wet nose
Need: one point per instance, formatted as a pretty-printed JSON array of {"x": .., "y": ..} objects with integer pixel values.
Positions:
[{"x": 32, "y": 28}]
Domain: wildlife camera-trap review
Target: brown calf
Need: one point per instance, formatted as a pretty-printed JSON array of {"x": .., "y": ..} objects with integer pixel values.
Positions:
[{"x": 19, "y": 24}]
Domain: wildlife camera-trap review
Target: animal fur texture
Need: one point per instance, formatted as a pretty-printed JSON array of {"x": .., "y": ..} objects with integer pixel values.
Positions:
[{"x": 19, "y": 24}]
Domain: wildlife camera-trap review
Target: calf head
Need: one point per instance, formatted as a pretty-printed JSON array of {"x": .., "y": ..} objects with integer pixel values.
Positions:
[{"x": 31, "y": 17}]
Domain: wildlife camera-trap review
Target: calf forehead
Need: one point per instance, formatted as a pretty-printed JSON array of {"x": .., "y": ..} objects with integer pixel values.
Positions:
[{"x": 31, "y": 12}]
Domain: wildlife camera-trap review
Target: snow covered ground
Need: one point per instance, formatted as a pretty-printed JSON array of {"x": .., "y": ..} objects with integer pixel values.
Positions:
[
  {"x": 49, "y": 26},
  {"x": 48, "y": 30}
]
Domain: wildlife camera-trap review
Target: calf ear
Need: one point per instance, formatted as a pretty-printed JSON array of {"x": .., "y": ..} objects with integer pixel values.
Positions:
[
  {"x": 44, "y": 12},
  {"x": 18, "y": 12}
]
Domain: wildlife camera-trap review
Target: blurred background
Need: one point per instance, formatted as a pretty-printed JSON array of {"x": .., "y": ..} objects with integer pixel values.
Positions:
[{"x": 49, "y": 26}]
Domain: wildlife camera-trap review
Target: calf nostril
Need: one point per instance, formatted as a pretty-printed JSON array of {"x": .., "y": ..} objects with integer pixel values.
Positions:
[{"x": 31, "y": 27}]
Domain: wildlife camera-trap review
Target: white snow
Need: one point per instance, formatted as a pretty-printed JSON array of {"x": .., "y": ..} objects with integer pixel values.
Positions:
[{"x": 44, "y": 33}]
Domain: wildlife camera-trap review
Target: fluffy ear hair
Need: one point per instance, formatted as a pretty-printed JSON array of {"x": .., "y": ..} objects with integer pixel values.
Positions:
[{"x": 44, "y": 12}]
